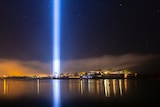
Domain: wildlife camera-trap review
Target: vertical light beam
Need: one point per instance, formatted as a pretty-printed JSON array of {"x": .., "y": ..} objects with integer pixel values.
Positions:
[
  {"x": 56, "y": 52},
  {"x": 56, "y": 45}
]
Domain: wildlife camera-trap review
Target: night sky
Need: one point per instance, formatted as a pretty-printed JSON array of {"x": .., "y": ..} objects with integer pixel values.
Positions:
[{"x": 94, "y": 34}]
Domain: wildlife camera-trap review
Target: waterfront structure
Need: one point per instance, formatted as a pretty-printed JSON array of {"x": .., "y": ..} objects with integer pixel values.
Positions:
[{"x": 93, "y": 74}]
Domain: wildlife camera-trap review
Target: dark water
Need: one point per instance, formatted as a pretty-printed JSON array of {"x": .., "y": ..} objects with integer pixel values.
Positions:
[{"x": 79, "y": 93}]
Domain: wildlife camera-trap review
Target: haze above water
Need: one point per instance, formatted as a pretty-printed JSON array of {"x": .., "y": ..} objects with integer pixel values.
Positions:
[{"x": 79, "y": 93}]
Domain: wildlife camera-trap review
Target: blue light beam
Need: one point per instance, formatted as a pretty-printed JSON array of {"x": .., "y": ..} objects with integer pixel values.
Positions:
[
  {"x": 56, "y": 52},
  {"x": 56, "y": 45}
]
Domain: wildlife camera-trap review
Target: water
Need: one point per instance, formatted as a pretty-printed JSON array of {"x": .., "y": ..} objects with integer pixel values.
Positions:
[{"x": 79, "y": 93}]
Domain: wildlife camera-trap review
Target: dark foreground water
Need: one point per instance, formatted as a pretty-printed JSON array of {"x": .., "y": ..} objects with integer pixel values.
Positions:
[{"x": 79, "y": 93}]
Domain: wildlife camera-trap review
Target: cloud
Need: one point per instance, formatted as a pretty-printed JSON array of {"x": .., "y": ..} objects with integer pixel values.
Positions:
[
  {"x": 133, "y": 62},
  {"x": 21, "y": 68},
  {"x": 126, "y": 61}
]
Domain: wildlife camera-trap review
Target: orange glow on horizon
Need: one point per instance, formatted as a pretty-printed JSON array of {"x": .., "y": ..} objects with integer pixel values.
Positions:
[{"x": 21, "y": 68}]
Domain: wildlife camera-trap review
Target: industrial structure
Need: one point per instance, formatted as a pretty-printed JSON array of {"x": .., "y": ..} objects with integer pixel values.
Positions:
[{"x": 100, "y": 74}]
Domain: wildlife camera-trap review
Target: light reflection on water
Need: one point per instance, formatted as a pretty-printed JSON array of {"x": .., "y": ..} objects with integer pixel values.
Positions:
[
  {"x": 107, "y": 87},
  {"x": 38, "y": 86},
  {"x": 100, "y": 87},
  {"x": 5, "y": 86},
  {"x": 13, "y": 88},
  {"x": 59, "y": 91},
  {"x": 56, "y": 94}
]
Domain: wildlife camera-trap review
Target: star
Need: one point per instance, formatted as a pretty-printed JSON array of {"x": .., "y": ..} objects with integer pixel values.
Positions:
[
  {"x": 24, "y": 18},
  {"x": 120, "y": 4}
]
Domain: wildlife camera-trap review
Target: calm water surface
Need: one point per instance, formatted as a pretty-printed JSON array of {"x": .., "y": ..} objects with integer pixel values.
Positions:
[{"x": 79, "y": 93}]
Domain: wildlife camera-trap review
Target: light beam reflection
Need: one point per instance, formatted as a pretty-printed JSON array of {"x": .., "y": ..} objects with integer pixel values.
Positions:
[{"x": 56, "y": 93}]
